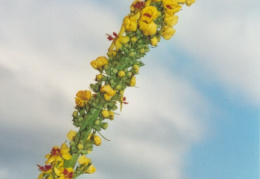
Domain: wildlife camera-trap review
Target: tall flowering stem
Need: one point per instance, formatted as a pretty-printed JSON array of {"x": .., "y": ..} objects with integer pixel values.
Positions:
[{"x": 141, "y": 29}]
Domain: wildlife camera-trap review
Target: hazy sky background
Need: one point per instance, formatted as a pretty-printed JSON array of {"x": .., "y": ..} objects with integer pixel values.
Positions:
[{"x": 194, "y": 115}]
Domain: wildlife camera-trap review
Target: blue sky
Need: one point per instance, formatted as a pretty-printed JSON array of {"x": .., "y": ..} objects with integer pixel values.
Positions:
[{"x": 194, "y": 115}]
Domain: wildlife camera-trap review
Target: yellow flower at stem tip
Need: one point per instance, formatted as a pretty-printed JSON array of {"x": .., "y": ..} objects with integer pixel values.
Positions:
[{"x": 71, "y": 134}]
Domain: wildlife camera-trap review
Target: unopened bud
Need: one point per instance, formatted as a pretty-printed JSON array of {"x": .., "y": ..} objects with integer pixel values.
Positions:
[
  {"x": 75, "y": 114},
  {"x": 104, "y": 125}
]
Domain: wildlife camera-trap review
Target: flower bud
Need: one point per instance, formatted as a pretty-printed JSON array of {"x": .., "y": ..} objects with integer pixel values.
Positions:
[
  {"x": 80, "y": 119},
  {"x": 133, "y": 81},
  {"x": 115, "y": 70},
  {"x": 111, "y": 115},
  {"x": 105, "y": 113},
  {"x": 80, "y": 146},
  {"x": 132, "y": 54},
  {"x": 129, "y": 73},
  {"x": 154, "y": 41},
  {"x": 97, "y": 122},
  {"x": 91, "y": 169},
  {"x": 75, "y": 114},
  {"x": 99, "y": 77},
  {"x": 97, "y": 140},
  {"x": 121, "y": 73},
  {"x": 134, "y": 39},
  {"x": 104, "y": 125},
  {"x": 142, "y": 50},
  {"x": 118, "y": 87},
  {"x": 136, "y": 68},
  {"x": 82, "y": 112}
]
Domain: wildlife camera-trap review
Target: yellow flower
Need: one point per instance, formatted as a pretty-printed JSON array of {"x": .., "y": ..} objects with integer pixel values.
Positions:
[
  {"x": 82, "y": 96},
  {"x": 58, "y": 154},
  {"x": 111, "y": 115},
  {"x": 105, "y": 113},
  {"x": 79, "y": 102},
  {"x": 64, "y": 173},
  {"x": 107, "y": 97},
  {"x": 148, "y": 2},
  {"x": 149, "y": 14},
  {"x": 130, "y": 22},
  {"x": 97, "y": 140},
  {"x": 47, "y": 169},
  {"x": 109, "y": 92},
  {"x": 147, "y": 28},
  {"x": 154, "y": 41},
  {"x": 107, "y": 89},
  {"x": 99, "y": 63},
  {"x": 121, "y": 40},
  {"x": 71, "y": 134},
  {"x": 83, "y": 160},
  {"x": 167, "y": 32},
  {"x": 133, "y": 81},
  {"x": 171, "y": 6},
  {"x": 91, "y": 169},
  {"x": 170, "y": 20},
  {"x": 137, "y": 5},
  {"x": 181, "y": 1},
  {"x": 136, "y": 68},
  {"x": 189, "y": 2},
  {"x": 118, "y": 41},
  {"x": 99, "y": 77},
  {"x": 121, "y": 73}
]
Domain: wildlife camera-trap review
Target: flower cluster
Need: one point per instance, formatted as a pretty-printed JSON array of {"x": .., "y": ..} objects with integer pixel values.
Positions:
[{"x": 141, "y": 29}]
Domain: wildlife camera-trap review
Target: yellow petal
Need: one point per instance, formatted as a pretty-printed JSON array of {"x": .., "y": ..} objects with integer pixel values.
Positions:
[
  {"x": 66, "y": 156},
  {"x": 123, "y": 39},
  {"x": 97, "y": 140},
  {"x": 83, "y": 160},
  {"x": 71, "y": 134},
  {"x": 147, "y": 28},
  {"x": 105, "y": 113},
  {"x": 91, "y": 169},
  {"x": 167, "y": 32},
  {"x": 40, "y": 176}
]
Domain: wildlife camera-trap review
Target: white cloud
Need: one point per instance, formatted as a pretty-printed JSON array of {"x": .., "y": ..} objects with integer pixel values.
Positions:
[{"x": 222, "y": 36}]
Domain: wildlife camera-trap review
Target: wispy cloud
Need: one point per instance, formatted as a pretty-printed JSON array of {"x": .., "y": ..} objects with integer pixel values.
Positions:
[{"x": 222, "y": 37}]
